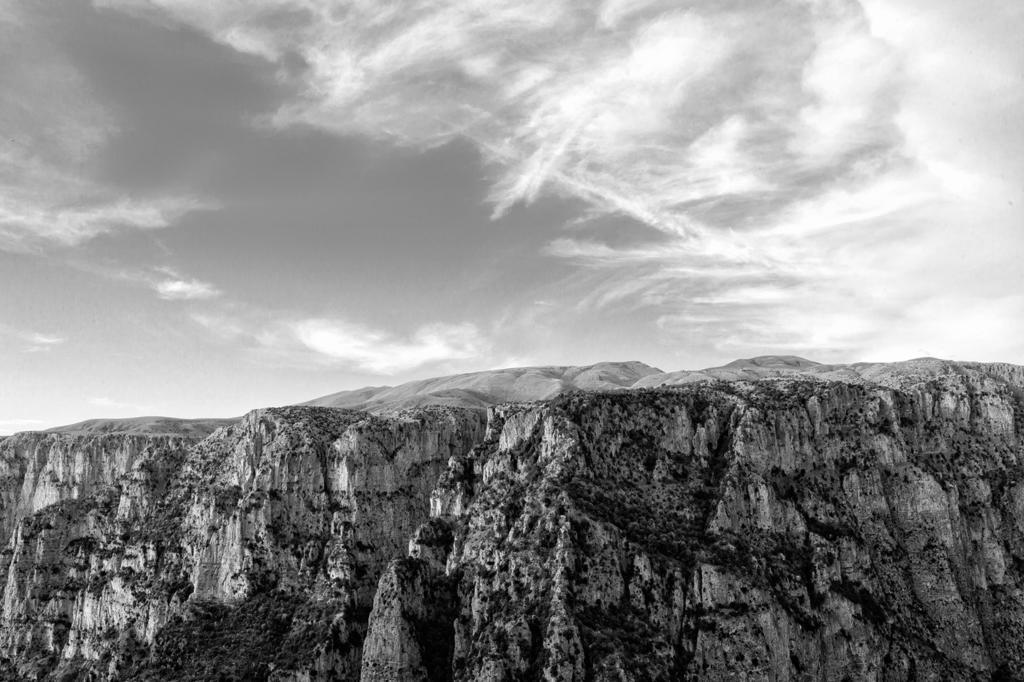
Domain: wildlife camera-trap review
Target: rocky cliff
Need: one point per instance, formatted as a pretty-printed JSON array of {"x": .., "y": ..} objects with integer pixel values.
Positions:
[
  {"x": 859, "y": 524},
  {"x": 254, "y": 553},
  {"x": 778, "y": 530}
]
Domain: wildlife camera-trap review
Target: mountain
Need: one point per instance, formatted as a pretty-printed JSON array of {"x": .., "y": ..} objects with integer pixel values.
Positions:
[
  {"x": 483, "y": 389},
  {"x": 777, "y": 520},
  {"x": 156, "y": 426},
  {"x": 524, "y": 384}
]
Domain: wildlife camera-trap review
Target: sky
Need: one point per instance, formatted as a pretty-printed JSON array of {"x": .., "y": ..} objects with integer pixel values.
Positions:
[{"x": 207, "y": 207}]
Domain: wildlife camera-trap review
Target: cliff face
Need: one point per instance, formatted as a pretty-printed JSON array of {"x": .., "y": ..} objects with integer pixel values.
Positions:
[
  {"x": 41, "y": 469},
  {"x": 789, "y": 529},
  {"x": 784, "y": 530},
  {"x": 61, "y": 496},
  {"x": 253, "y": 553}
]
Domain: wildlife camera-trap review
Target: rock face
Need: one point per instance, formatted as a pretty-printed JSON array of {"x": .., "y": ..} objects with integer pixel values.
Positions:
[
  {"x": 780, "y": 530},
  {"x": 827, "y": 524},
  {"x": 41, "y": 469},
  {"x": 252, "y": 554}
]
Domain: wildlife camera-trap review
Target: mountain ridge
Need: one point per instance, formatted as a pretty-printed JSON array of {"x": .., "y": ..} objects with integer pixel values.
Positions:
[
  {"x": 490, "y": 387},
  {"x": 486, "y": 388},
  {"x": 148, "y": 425}
]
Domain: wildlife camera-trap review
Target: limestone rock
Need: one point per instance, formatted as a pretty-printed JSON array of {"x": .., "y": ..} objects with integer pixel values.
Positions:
[
  {"x": 254, "y": 553},
  {"x": 791, "y": 529}
]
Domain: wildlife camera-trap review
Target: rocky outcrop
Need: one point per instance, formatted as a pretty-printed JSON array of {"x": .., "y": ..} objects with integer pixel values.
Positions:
[
  {"x": 59, "y": 492},
  {"x": 41, "y": 469},
  {"x": 252, "y": 554},
  {"x": 780, "y": 530}
]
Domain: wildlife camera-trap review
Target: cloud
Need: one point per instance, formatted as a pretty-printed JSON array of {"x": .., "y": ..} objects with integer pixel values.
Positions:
[
  {"x": 53, "y": 130},
  {"x": 169, "y": 283},
  {"x": 376, "y": 351},
  {"x": 688, "y": 117},
  {"x": 640, "y": 108},
  {"x": 42, "y": 342},
  {"x": 185, "y": 289},
  {"x": 31, "y": 341},
  {"x": 335, "y": 342},
  {"x": 39, "y": 222},
  {"x": 804, "y": 156}
]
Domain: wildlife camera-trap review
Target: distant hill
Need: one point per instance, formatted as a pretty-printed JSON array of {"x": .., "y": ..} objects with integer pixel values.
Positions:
[
  {"x": 522, "y": 384},
  {"x": 526, "y": 384},
  {"x": 481, "y": 389},
  {"x": 148, "y": 426},
  {"x": 748, "y": 369},
  {"x": 772, "y": 366}
]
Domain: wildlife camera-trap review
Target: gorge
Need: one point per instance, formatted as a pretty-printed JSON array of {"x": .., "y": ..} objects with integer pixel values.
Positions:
[{"x": 774, "y": 519}]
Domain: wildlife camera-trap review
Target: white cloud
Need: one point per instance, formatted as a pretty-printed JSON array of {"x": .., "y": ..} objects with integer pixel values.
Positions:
[
  {"x": 185, "y": 289},
  {"x": 42, "y": 221},
  {"x": 42, "y": 342},
  {"x": 853, "y": 170},
  {"x": 168, "y": 283},
  {"x": 852, "y": 81},
  {"x": 383, "y": 353},
  {"x": 30, "y": 341},
  {"x": 310, "y": 342},
  {"x": 640, "y": 108},
  {"x": 598, "y": 102}
]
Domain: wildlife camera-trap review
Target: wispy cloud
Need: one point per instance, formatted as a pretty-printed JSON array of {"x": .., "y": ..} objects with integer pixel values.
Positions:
[
  {"x": 30, "y": 341},
  {"x": 341, "y": 343},
  {"x": 53, "y": 129},
  {"x": 377, "y": 351},
  {"x": 642, "y": 111},
  {"x": 42, "y": 221},
  {"x": 822, "y": 148},
  {"x": 168, "y": 283},
  {"x": 175, "y": 288},
  {"x": 42, "y": 342}
]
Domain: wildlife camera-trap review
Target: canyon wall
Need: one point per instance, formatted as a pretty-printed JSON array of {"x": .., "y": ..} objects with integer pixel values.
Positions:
[
  {"x": 781, "y": 530},
  {"x": 795, "y": 528},
  {"x": 254, "y": 553}
]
